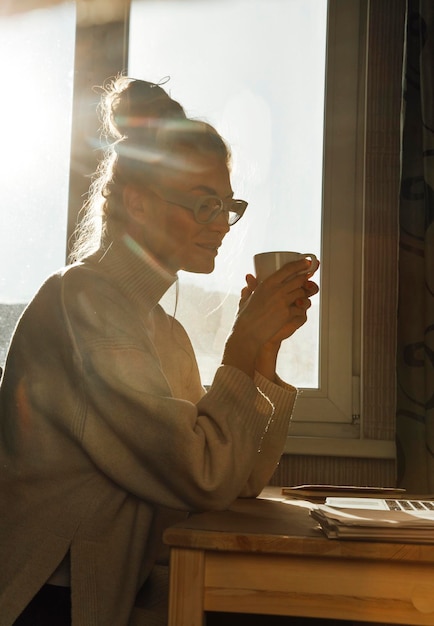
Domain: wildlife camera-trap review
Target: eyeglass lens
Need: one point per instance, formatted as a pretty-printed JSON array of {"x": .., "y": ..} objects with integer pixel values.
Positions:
[{"x": 210, "y": 207}]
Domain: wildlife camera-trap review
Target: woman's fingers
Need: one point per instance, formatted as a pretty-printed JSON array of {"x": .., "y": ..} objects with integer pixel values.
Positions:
[
  {"x": 277, "y": 306},
  {"x": 303, "y": 303},
  {"x": 247, "y": 291}
]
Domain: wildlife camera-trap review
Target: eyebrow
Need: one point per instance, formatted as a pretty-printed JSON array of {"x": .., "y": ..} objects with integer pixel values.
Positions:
[{"x": 210, "y": 191}]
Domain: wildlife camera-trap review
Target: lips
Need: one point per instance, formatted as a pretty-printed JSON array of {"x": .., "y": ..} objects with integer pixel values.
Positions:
[{"x": 213, "y": 247}]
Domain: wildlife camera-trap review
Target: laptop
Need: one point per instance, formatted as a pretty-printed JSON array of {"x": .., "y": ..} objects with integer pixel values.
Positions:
[{"x": 380, "y": 504}]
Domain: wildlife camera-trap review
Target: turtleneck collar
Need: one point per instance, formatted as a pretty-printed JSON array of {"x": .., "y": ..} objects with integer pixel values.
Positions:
[{"x": 138, "y": 274}]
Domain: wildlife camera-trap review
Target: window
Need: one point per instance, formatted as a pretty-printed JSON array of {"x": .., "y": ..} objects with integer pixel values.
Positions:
[
  {"x": 299, "y": 168},
  {"x": 244, "y": 84},
  {"x": 37, "y": 56}
]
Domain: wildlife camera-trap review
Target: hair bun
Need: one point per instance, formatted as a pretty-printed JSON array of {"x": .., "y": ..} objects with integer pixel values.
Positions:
[{"x": 138, "y": 104}]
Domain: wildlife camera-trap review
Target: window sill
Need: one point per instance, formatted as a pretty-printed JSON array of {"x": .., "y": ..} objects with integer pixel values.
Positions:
[{"x": 341, "y": 447}]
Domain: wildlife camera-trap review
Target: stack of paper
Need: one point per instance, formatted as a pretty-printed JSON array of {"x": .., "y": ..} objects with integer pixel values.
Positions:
[{"x": 397, "y": 526}]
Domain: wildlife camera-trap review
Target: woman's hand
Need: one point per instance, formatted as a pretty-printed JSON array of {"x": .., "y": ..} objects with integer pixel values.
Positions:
[{"x": 268, "y": 313}]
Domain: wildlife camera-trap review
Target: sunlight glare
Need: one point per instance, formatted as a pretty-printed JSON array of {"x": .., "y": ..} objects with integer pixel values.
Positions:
[{"x": 37, "y": 54}]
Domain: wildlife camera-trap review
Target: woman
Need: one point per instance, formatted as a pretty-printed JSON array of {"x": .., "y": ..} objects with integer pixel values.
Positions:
[{"x": 106, "y": 432}]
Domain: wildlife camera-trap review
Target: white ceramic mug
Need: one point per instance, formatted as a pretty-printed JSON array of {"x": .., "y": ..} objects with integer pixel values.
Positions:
[{"x": 266, "y": 263}]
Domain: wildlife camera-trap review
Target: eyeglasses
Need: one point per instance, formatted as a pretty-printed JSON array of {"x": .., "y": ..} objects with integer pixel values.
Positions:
[{"x": 205, "y": 208}]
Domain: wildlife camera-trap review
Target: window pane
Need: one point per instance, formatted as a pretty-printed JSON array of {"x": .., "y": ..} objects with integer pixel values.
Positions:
[
  {"x": 37, "y": 55},
  {"x": 248, "y": 80}
]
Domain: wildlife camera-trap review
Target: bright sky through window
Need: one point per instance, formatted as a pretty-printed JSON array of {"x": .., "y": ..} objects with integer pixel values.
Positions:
[{"x": 255, "y": 70}]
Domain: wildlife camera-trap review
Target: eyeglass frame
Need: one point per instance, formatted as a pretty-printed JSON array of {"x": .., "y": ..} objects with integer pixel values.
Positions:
[{"x": 192, "y": 203}]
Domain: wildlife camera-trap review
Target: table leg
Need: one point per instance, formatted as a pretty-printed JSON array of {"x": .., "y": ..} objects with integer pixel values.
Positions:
[{"x": 186, "y": 590}]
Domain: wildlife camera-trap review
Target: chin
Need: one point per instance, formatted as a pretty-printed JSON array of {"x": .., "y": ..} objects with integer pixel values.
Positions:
[{"x": 200, "y": 268}]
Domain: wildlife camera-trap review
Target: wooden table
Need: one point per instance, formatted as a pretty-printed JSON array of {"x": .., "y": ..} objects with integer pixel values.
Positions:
[{"x": 268, "y": 556}]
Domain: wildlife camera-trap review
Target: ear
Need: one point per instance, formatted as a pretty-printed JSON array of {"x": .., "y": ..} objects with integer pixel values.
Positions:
[{"x": 136, "y": 203}]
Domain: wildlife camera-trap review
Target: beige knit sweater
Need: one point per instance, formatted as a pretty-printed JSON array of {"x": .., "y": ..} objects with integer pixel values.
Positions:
[{"x": 104, "y": 425}]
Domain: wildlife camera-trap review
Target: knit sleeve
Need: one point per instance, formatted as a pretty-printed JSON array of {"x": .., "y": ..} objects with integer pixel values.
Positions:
[{"x": 281, "y": 398}]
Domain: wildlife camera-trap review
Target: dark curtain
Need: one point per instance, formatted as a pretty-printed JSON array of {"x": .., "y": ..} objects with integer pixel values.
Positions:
[{"x": 415, "y": 349}]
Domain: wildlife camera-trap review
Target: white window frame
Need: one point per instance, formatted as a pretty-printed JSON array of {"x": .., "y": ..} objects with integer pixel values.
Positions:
[
  {"x": 329, "y": 420},
  {"x": 335, "y": 401}
]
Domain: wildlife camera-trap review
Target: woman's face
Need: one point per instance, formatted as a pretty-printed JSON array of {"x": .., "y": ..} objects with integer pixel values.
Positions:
[{"x": 170, "y": 232}]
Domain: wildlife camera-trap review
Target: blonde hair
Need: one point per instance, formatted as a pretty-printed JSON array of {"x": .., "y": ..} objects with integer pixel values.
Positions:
[{"x": 143, "y": 127}]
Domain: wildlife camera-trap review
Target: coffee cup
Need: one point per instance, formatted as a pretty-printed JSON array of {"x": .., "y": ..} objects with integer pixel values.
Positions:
[{"x": 266, "y": 263}]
